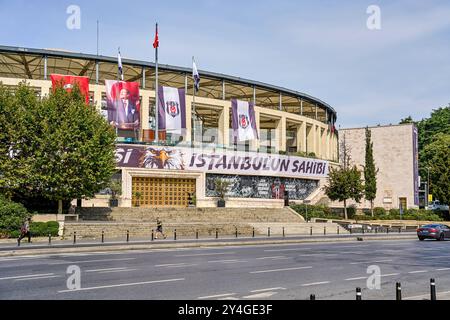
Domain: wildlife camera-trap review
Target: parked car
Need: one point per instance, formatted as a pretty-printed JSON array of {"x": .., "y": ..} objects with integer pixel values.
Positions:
[
  {"x": 433, "y": 231},
  {"x": 436, "y": 205}
]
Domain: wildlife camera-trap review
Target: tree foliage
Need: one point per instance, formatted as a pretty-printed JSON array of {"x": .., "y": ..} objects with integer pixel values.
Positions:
[
  {"x": 370, "y": 173},
  {"x": 57, "y": 148}
]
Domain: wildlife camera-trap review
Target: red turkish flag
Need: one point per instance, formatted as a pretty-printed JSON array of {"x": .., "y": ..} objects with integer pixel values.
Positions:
[
  {"x": 68, "y": 82},
  {"x": 156, "y": 41}
]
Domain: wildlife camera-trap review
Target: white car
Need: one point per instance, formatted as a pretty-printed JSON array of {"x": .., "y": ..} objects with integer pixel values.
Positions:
[{"x": 436, "y": 205}]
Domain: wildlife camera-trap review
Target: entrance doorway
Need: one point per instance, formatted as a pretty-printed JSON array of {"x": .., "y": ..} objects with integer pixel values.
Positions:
[
  {"x": 161, "y": 192},
  {"x": 402, "y": 203}
]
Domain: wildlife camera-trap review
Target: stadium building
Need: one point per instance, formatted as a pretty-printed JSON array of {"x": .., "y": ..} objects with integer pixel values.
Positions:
[{"x": 295, "y": 146}]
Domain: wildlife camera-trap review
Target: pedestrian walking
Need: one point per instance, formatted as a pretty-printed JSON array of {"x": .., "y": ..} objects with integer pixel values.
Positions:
[
  {"x": 159, "y": 229},
  {"x": 25, "y": 231}
]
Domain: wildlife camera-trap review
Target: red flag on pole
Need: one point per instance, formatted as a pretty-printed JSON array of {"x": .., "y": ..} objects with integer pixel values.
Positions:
[{"x": 156, "y": 42}]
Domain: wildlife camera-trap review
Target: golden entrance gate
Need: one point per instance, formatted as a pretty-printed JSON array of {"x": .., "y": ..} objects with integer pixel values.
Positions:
[{"x": 161, "y": 192}]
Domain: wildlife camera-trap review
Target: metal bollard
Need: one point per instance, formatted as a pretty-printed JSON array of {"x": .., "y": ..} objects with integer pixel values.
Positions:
[
  {"x": 253, "y": 234},
  {"x": 399, "y": 229},
  {"x": 128, "y": 235},
  {"x": 217, "y": 234},
  {"x": 153, "y": 235},
  {"x": 324, "y": 230},
  {"x": 310, "y": 231},
  {"x": 398, "y": 291},
  {"x": 338, "y": 230},
  {"x": 432, "y": 289},
  {"x": 49, "y": 239},
  {"x": 196, "y": 234},
  {"x": 376, "y": 229},
  {"x": 312, "y": 297},
  {"x": 103, "y": 236},
  {"x": 175, "y": 234},
  {"x": 362, "y": 229},
  {"x": 268, "y": 231},
  {"x": 387, "y": 230},
  {"x": 236, "y": 232},
  {"x": 283, "y": 232},
  {"x": 358, "y": 293},
  {"x": 74, "y": 237}
]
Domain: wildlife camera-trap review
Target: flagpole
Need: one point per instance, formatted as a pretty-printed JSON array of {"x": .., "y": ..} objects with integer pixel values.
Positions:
[
  {"x": 156, "y": 93},
  {"x": 193, "y": 103},
  {"x": 117, "y": 98}
]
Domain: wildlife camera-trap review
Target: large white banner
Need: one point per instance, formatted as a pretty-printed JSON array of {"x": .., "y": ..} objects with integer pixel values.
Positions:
[
  {"x": 243, "y": 120},
  {"x": 224, "y": 162},
  {"x": 172, "y": 110}
]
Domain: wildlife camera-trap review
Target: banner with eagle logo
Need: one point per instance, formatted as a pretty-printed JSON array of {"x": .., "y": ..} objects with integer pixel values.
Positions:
[
  {"x": 172, "y": 110},
  {"x": 243, "y": 120}
]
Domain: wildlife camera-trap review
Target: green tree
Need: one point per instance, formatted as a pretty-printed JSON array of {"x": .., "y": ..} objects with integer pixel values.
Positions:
[
  {"x": 370, "y": 173},
  {"x": 345, "y": 182},
  {"x": 437, "y": 157},
  {"x": 62, "y": 148},
  {"x": 408, "y": 119}
]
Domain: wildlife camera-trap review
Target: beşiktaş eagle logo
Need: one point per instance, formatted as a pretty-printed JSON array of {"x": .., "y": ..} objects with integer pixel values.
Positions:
[
  {"x": 162, "y": 158},
  {"x": 243, "y": 121},
  {"x": 68, "y": 86},
  {"x": 172, "y": 108}
]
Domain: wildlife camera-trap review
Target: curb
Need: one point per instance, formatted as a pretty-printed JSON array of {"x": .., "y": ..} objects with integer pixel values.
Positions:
[{"x": 120, "y": 247}]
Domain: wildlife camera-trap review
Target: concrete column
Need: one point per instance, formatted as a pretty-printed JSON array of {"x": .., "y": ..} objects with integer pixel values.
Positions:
[
  {"x": 281, "y": 134},
  {"x": 145, "y": 109},
  {"x": 301, "y": 137},
  {"x": 254, "y": 144},
  {"x": 328, "y": 144},
  {"x": 189, "y": 101},
  {"x": 98, "y": 98}
]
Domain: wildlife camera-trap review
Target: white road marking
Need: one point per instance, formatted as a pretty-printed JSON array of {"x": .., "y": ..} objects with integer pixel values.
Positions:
[
  {"x": 368, "y": 262},
  {"x": 292, "y": 249},
  {"x": 269, "y": 289},
  {"x": 357, "y": 278},
  {"x": 124, "y": 270},
  {"x": 226, "y": 261},
  {"x": 203, "y": 254},
  {"x": 389, "y": 274},
  {"x": 89, "y": 261},
  {"x": 35, "y": 278},
  {"x": 260, "y": 295},
  {"x": 217, "y": 295},
  {"x": 183, "y": 265},
  {"x": 418, "y": 271},
  {"x": 123, "y": 285},
  {"x": 107, "y": 269},
  {"x": 27, "y": 276},
  {"x": 171, "y": 264},
  {"x": 315, "y": 283},
  {"x": 276, "y": 270},
  {"x": 438, "y": 257},
  {"x": 442, "y": 269},
  {"x": 273, "y": 257}
]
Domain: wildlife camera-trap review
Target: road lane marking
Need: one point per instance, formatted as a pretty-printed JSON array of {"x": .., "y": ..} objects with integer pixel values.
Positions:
[
  {"x": 171, "y": 264},
  {"x": 36, "y": 278},
  {"x": 268, "y": 289},
  {"x": 217, "y": 296},
  {"x": 226, "y": 261},
  {"x": 442, "y": 269},
  {"x": 125, "y": 270},
  {"x": 367, "y": 262},
  {"x": 418, "y": 271},
  {"x": 291, "y": 249},
  {"x": 273, "y": 257},
  {"x": 389, "y": 274},
  {"x": 183, "y": 265},
  {"x": 107, "y": 269},
  {"x": 438, "y": 257},
  {"x": 27, "y": 276},
  {"x": 90, "y": 261},
  {"x": 285, "y": 269},
  {"x": 123, "y": 285},
  {"x": 203, "y": 254},
  {"x": 357, "y": 278},
  {"x": 260, "y": 295},
  {"x": 315, "y": 283}
]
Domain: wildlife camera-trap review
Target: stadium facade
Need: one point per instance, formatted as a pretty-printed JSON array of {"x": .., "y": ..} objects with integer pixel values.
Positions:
[{"x": 295, "y": 145}]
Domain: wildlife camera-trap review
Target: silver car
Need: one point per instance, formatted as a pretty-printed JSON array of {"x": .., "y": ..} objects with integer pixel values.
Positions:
[{"x": 433, "y": 231}]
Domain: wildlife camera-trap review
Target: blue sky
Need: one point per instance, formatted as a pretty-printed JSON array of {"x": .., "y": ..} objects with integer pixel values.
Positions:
[{"x": 322, "y": 48}]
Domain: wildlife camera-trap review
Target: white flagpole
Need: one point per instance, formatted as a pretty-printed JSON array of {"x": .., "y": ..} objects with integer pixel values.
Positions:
[
  {"x": 193, "y": 103},
  {"x": 117, "y": 97},
  {"x": 156, "y": 91}
]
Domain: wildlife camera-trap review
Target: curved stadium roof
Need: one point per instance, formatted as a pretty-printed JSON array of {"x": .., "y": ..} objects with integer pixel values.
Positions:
[{"x": 28, "y": 63}]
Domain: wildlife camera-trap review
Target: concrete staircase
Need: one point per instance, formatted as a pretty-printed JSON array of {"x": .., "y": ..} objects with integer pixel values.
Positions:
[{"x": 187, "y": 221}]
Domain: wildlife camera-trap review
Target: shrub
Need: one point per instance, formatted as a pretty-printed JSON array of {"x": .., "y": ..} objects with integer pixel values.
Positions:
[
  {"x": 43, "y": 229},
  {"x": 379, "y": 211},
  {"x": 351, "y": 211},
  {"x": 315, "y": 211},
  {"x": 12, "y": 215}
]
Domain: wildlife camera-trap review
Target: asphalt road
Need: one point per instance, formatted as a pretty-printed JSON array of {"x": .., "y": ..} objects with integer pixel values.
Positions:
[{"x": 287, "y": 271}]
